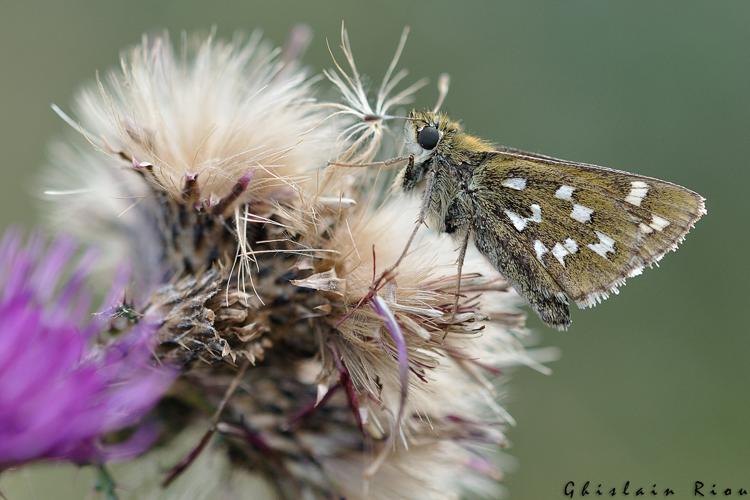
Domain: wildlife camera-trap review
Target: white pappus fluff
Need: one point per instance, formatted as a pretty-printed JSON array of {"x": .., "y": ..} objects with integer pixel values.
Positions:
[{"x": 176, "y": 132}]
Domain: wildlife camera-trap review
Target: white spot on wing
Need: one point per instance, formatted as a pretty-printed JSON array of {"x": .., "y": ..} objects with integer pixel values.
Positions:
[
  {"x": 645, "y": 229},
  {"x": 658, "y": 223},
  {"x": 560, "y": 252},
  {"x": 517, "y": 183},
  {"x": 540, "y": 250},
  {"x": 606, "y": 245},
  {"x": 581, "y": 213},
  {"x": 536, "y": 213},
  {"x": 520, "y": 222},
  {"x": 571, "y": 245},
  {"x": 638, "y": 191},
  {"x": 564, "y": 192}
]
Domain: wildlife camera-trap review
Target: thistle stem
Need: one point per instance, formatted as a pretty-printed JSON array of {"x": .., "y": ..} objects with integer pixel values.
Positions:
[
  {"x": 310, "y": 408},
  {"x": 180, "y": 467},
  {"x": 105, "y": 483}
]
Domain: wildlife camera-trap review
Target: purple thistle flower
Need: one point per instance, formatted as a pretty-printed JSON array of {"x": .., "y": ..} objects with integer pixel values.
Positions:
[{"x": 60, "y": 393}]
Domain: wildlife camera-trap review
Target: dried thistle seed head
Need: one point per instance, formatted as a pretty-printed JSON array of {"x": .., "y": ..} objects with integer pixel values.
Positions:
[
  {"x": 210, "y": 127},
  {"x": 257, "y": 263},
  {"x": 206, "y": 115},
  {"x": 90, "y": 196},
  {"x": 420, "y": 297},
  {"x": 223, "y": 136}
]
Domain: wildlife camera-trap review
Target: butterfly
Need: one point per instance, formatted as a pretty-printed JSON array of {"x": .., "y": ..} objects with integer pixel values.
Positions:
[{"x": 557, "y": 230}]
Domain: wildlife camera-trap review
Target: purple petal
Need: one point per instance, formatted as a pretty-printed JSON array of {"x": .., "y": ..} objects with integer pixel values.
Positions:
[
  {"x": 381, "y": 309},
  {"x": 385, "y": 313},
  {"x": 45, "y": 277},
  {"x": 60, "y": 393}
]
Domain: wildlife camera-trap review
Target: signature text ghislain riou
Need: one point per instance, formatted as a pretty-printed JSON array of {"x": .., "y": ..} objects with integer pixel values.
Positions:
[{"x": 627, "y": 489}]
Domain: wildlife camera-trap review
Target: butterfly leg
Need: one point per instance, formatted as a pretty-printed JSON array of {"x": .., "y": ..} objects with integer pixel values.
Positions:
[
  {"x": 429, "y": 186},
  {"x": 399, "y": 160},
  {"x": 458, "y": 218},
  {"x": 387, "y": 275},
  {"x": 459, "y": 271}
]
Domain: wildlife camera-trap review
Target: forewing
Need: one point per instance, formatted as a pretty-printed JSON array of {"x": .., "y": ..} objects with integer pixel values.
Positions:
[{"x": 587, "y": 228}]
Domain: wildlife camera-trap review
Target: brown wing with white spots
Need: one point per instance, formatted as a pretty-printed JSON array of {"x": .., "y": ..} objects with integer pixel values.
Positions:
[{"x": 588, "y": 228}]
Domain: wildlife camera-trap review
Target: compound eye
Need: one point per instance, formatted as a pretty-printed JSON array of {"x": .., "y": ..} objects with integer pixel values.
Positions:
[{"x": 428, "y": 137}]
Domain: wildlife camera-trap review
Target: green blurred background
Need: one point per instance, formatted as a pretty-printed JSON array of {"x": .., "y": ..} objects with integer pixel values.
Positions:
[{"x": 652, "y": 386}]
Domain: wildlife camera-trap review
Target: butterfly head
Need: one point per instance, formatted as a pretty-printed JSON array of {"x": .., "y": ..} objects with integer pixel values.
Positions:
[{"x": 428, "y": 133}]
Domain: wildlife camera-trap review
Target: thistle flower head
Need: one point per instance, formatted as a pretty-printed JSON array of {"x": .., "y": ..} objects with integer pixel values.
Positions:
[
  {"x": 410, "y": 358},
  {"x": 212, "y": 123},
  {"x": 322, "y": 377},
  {"x": 60, "y": 393}
]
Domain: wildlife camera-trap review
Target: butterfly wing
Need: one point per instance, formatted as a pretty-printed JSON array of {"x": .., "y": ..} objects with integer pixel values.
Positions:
[{"x": 560, "y": 229}]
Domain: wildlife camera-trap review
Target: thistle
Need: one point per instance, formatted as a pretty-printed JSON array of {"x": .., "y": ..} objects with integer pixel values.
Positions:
[
  {"x": 62, "y": 389},
  {"x": 208, "y": 164}
]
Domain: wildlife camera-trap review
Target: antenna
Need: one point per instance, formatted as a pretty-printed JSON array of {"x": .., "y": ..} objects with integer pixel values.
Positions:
[{"x": 444, "y": 83}]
